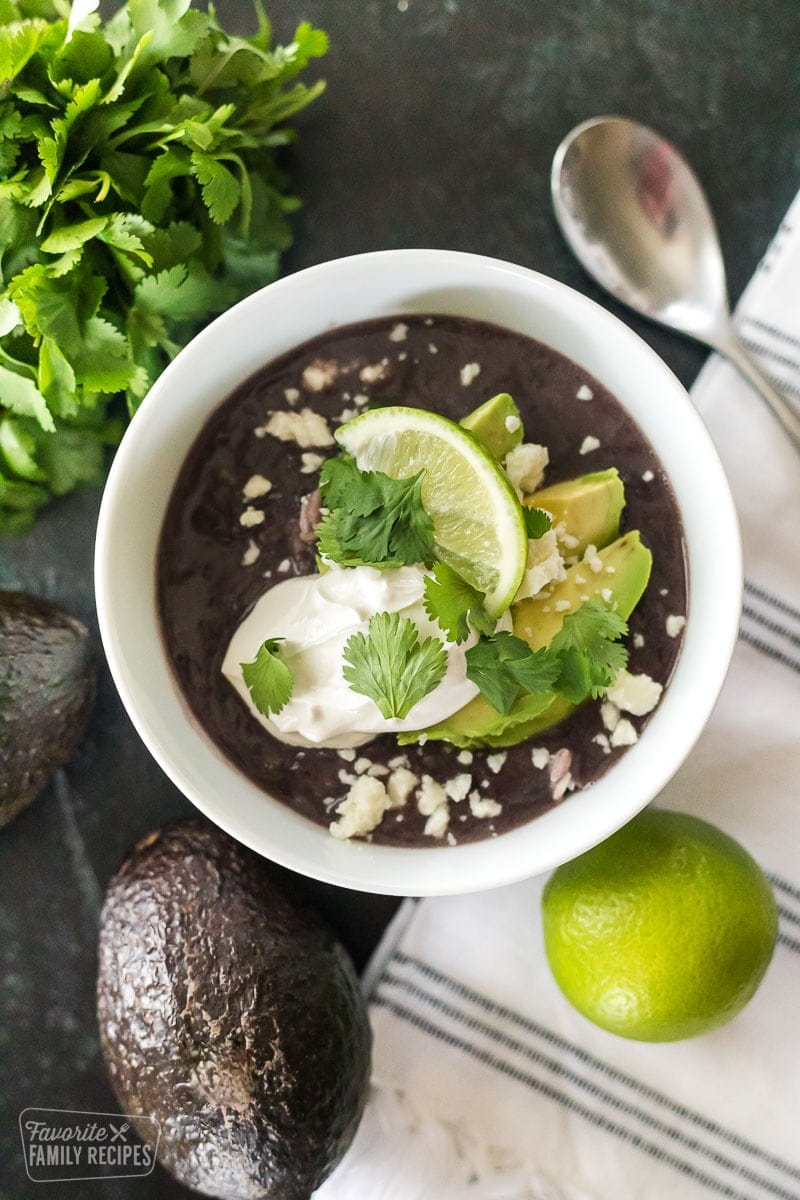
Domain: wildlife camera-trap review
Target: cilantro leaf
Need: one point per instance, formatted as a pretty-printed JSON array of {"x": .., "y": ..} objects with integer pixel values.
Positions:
[
  {"x": 537, "y": 521},
  {"x": 392, "y": 666},
  {"x": 589, "y": 650},
  {"x": 455, "y": 604},
  {"x": 373, "y": 519},
  {"x": 268, "y": 679},
  {"x": 502, "y": 664}
]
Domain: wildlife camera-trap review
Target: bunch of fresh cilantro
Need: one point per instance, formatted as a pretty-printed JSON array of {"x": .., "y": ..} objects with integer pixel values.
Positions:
[{"x": 139, "y": 194}]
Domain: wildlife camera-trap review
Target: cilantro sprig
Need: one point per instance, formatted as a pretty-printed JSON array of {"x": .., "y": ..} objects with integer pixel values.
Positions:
[
  {"x": 391, "y": 666},
  {"x": 269, "y": 680},
  {"x": 455, "y": 604},
  {"x": 372, "y": 518},
  {"x": 581, "y": 660},
  {"x": 140, "y": 193},
  {"x": 537, "y": 521}
]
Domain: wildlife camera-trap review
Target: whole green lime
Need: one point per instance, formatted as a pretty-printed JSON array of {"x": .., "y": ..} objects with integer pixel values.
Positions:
[{"x": 664, "y": 931}]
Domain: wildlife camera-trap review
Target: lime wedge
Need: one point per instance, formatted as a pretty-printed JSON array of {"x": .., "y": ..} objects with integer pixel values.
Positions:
[{"x": 478, "y": 523}]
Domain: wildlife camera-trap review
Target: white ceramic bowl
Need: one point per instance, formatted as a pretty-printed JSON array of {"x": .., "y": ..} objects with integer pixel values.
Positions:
[{"x": 282, "y": 316}]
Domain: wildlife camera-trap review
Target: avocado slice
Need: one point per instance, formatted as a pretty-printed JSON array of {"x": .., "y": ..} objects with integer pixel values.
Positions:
[
  {"x": 537, "y": 621},
  {"x": 488, "y": 423},
  {"x": 229, "y": 1013},
  {"x": 589, "y": 507},
  {"x": 47, "y": 687}
]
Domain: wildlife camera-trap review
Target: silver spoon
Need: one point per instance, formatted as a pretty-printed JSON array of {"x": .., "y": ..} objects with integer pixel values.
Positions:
[{"x": 637, "y": 220}]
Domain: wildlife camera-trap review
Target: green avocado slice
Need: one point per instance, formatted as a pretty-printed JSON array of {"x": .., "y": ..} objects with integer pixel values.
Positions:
[
  {"x": 589, "y": 507},
  {"x": 537, "y": 621},
  {"x": 488, "y": 424}
]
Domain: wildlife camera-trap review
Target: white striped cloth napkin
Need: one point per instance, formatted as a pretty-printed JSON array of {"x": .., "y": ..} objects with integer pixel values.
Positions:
[{"x": 487, "y": 1084}]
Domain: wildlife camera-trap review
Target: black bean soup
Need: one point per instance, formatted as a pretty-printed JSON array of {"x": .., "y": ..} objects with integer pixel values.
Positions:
[{"x": 215, "y": 561}]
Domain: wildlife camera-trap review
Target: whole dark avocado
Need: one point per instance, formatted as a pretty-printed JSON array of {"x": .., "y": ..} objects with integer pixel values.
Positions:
[
  {"x": 230, "y": 1014},
  {"x": 47, "y": 686}
]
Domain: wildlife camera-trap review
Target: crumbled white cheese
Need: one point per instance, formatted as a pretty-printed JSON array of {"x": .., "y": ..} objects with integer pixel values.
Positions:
[
  {"x": 544, "y": 565},
  {"x": 579, "y": 578},
  {"x": 589, "y": 444},
  {"x": 638, "y": 640},
  {"x": 607, "y": 594},
  {"x": 483, "y": 806},
  {"x": 307, "y": 428},
  {"x": 512, "y": 423},
  {"x": 458, "y": 787},
  {"x": 251, "y": 554},
  {"x": 432, "y": 349},
  {"x": 648, "y": 476},
  {"x": 402, "y": 358},
  {"x": 465, "y": 757},
  {"x": 525, "y": 466},
  {"x": 347, "y": 755},
  {"x": 437, "y": 822},
  {"x": 362, "y": 810},
  {"x": 360, "y": 400},
  {"x": 602, "y": 740},
  {"x": 255, "y": 487},
  {"x": 562, "y": 605},
  {"x": 624, "y": 734},
  {"x": 430, "y": 795},
  {"x": 292, "y": 395},
  {"x": 584, "y": 393},
  {"x": 361, "y": 765},
  {"x": 636, "y": 694},
  {"x": 496, "y": 762},
  {"x": 398, "y": 333},
  {"x": 428, "y": 321},
  {"x": 320, "y": 374},
  {"x": 400, "y": 785},
  {"x": 674, "y": 625},
  {"x": 540, "y": 757},
  {"x": 311, "y": 462},
  {"x": 346, "y": 777},
  {"x": 451, "y": 841},
  {"x": 609, "y": 715},
  {"x": 377, "y": 769},
  {"x": 611, "y": 569},
  {"x": 373, "y": 373},
  {"x": 251, "y": 517},
  {"x": 592, "y": 559},
  {"x": 469, "y": 373},
  {"x": 284, "y": 565},
  {"x": 400, "y": 760}
]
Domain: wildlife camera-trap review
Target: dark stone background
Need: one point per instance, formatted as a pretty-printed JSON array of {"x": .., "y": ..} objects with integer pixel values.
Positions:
[{"x": 437, "y": 129}]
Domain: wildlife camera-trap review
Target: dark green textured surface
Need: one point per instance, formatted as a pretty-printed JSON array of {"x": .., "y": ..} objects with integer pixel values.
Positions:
[{"x": 438, "y": 129}]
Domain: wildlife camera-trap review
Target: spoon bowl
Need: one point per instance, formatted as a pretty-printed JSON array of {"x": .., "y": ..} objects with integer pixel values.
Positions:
[{"x": 636, "y": 218}]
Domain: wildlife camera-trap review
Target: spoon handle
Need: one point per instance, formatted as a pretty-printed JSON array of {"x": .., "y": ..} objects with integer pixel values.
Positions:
[{"x": 733, "y": 350}]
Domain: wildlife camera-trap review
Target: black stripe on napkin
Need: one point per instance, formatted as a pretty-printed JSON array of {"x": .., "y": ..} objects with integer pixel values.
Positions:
[
  {"x": 597, "y": 1092},
  {"x": 759, "y": 644},
  {"x": 776, "y": 333},
  {"x": 777, "y": 602},
  {"x": 645, "y": 1090},
  {"x": 771, "y": 624},
  {"x": 573, "y": 1106}
]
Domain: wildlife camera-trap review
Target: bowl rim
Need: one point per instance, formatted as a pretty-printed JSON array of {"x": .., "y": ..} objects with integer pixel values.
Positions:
[{"x": 487, "y": 863}]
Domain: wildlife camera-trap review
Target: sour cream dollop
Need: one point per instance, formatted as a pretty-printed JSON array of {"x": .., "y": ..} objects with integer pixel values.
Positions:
[{"x": 316, "y": 614}]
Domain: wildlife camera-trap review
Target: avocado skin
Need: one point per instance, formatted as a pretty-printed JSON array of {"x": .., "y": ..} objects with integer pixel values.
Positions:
[
  {"x": 47, "y": 689},
  {"x": 229, "y": 1013}
]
